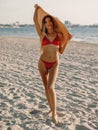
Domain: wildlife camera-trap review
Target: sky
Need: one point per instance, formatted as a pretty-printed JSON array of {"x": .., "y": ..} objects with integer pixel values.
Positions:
[{"x": 83, "y": 12}]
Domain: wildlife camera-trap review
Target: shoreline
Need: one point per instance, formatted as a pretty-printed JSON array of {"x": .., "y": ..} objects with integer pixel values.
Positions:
[
  {"x": 26, "y": 37},
  {"x": 21, "y": 88}
]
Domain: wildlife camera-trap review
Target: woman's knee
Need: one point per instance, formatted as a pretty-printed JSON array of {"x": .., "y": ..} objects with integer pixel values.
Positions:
[{"x": 51, "y": 88}]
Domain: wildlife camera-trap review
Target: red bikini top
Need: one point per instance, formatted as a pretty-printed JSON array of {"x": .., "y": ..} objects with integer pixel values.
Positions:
[{"x": 55, "y": 41}]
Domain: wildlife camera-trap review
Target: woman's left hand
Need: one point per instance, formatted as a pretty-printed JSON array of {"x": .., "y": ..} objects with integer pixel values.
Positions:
[{"x": 36, "y": 6}]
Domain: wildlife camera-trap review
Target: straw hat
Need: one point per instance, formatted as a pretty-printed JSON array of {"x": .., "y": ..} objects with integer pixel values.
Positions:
[{"x": 60, "y": 27}]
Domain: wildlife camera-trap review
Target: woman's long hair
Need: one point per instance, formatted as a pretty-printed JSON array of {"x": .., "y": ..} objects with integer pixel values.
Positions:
[{"x": 43, "y": 23}]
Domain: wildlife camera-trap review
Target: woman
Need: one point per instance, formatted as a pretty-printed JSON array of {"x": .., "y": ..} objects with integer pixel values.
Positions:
[{"x": 49, "y": 58}]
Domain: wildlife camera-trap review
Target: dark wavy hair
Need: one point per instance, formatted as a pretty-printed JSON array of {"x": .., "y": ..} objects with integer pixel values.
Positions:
[{"x": 43, "y": 23}]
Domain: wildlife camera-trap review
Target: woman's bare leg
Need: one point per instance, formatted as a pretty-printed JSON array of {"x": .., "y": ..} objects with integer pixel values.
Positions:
[
  {"x": 44, "y": 76},
  {"x": 51, "y": 82}
]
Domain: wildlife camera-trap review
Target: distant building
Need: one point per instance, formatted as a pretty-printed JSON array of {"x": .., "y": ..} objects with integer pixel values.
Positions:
[
  {"x": 67, "y": 23},
  {"x": 16, "y": 23}
]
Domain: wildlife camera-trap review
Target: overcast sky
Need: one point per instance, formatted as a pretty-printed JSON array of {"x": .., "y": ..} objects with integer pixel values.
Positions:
[{"x": 76, "y": 11}]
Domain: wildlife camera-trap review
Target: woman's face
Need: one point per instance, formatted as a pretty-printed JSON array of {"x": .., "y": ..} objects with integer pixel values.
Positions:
[{"x": 48, "y": 23}]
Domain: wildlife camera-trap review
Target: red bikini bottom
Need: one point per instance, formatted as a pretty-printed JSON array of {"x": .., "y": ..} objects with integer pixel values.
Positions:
[{"x": 48, "y": 65}]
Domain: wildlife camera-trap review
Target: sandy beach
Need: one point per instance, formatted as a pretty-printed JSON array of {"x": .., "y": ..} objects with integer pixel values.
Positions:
[{"x": 23, "y": 105}]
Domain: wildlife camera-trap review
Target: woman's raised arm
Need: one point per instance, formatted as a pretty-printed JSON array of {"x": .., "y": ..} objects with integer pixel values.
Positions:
[{"x": 36, "y": 21}]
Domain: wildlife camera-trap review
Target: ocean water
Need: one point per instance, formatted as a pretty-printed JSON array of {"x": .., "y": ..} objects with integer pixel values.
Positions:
[
  {"x": 25, "y": 31},
  {"x": 85, "y": 34},
  {"x": 82, "y": 33}
]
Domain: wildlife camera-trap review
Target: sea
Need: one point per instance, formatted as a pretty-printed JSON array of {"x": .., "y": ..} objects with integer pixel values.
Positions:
[{"x": 87, "y": 34}]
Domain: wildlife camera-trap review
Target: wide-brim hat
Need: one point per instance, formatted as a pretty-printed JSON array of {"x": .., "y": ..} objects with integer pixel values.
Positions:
[{"x": 60, "y": 27}]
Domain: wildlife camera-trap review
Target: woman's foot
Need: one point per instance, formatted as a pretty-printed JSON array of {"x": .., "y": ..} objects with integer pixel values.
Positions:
[{"x": 55, "y": 119}]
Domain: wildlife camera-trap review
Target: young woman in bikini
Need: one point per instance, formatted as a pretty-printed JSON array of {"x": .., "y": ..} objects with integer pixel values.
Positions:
[{"x": 49, "y": 58}]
